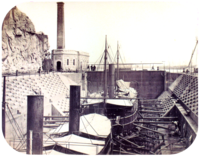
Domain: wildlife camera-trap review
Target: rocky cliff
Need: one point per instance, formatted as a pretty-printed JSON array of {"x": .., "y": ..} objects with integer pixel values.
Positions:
[{"x": 22, "y": 48}]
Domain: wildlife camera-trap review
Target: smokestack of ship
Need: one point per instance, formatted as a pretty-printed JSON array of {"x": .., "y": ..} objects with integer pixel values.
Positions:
[{"x": 111, "y": 80}]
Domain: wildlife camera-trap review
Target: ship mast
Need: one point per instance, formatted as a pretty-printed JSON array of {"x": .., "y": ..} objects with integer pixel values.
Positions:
[
  {"x": 105, "y": 72},
  {"x": 117, "y": 60}
]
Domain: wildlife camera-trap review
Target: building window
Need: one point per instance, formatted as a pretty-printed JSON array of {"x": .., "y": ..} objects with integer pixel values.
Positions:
[
  {"x": 74, "y": 62},
  {"x": 67, "y": 61}
]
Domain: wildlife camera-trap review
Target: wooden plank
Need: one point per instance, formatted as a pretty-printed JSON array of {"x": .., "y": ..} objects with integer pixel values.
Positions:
[
  {"x": 153, "y": 122},
  {"x": 50, "y": 126},
  {"x": 160, "y": 117},
  {"x": 146, "y": 111},
  {"x": 50, "y": 121},
  {"x": 131, "y": 142},
  {"x": 150, "y": 104},
  {"x": 56, "y": 116},
  {"x": 151, "y": 108},
  {"x": 149, "y": 129}
]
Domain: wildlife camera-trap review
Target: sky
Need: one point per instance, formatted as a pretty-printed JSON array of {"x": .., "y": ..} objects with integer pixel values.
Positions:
[{"x": 147, "y": 31}]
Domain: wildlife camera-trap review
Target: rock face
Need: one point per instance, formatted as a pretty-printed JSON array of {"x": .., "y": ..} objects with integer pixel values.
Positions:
[{"x": 22, "y": 48}]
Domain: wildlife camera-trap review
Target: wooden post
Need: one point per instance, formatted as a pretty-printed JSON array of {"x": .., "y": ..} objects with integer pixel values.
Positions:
[
  {"x": 35, "y": 123},
  {"x": 31, "y": 141},
  {"x": 74, "y": 117},
  {"x": 4, "y": 107}
]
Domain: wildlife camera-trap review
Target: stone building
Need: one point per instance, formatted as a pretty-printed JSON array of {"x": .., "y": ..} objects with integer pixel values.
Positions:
[
  {"x": 62, "y": 59},
  {"x": 69, "y": 60}
]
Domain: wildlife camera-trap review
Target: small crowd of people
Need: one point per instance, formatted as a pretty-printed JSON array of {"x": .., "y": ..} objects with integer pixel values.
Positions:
[
  {"x": 154, "y": 69},
  {"x": 91, "y": 68}
]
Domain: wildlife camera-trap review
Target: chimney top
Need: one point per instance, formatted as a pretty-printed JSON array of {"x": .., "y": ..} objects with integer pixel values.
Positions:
[{"x": 60, "y": 3}]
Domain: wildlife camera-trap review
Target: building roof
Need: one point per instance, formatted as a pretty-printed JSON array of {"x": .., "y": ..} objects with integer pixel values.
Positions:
[{"x": 64, "y": 51}]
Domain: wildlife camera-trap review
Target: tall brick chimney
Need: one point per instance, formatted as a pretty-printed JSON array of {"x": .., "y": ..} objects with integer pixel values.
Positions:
[{"x": 60, "y": 26}]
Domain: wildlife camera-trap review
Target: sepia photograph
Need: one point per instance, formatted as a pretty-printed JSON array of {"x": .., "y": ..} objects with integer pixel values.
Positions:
[{"x": 99, "y": 77}]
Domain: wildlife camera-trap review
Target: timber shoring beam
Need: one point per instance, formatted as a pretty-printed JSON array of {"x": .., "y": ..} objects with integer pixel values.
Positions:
[
  {"x": 56, "y": 117},
  {"x": 124, "y": 152},
  {"x": 62, "y": 149},
  {"x": 159, "y": 118},
  {"x": 50, "y": 121},
  {"x": 153, "y": 122},
  {"x": 151, "y": 107},
  {"x": 129, "y": 146},
  {"x": 82, "y": 134},
  {"x": 131, "y": 142},
  {"x": 148, "y": 129},
  {"x": 141, "y": 139},
  {"x": 161, "y": 126},
  {"x": 158, "y": 146},
  {"x": 147, "y": 111},
  {"x": 122, "y": 98}
]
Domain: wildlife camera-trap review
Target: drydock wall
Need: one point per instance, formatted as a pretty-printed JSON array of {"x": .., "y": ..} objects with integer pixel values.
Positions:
[
  {"x": 149, "y": 84},
  {"x": 170, "y": 78}
]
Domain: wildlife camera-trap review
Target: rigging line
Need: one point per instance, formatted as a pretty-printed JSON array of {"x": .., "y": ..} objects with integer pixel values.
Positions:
[
  {"x": 69, "y": 138},
  {"x": 90, "y": 125},
  {"x": 52, "y": 148},
  {"x": 97, "y": 59},
  {"x": 18, "y": 128},
  {"x": 86, "y": 130},
  {"x": 12, "y": 125},
  {"x": 115, "y": 57},
  {"x": 111, "y": 51},
  {"x": 21, "y": 141},
  {"x": 100, "y": 54},
  {"x": 100, "y": 62},
  {"x": 55, "y": 130},
  {"x": 122, "y": 62},
  {"x": 62, "y": 125},
  {"x": 22, "y": 144},
  {"x": 15, "y": 121},
  {"x": 50, "y": 137},
  {"x": 193, "y": 54},
  {"x": 109, "y": 58},
  {"x": 121, "y": 58}
]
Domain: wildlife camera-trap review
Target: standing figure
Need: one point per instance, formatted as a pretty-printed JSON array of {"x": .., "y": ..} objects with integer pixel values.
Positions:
[
  {"x": 91, "y": 67},
  {"x": 39, "y": 71}
]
